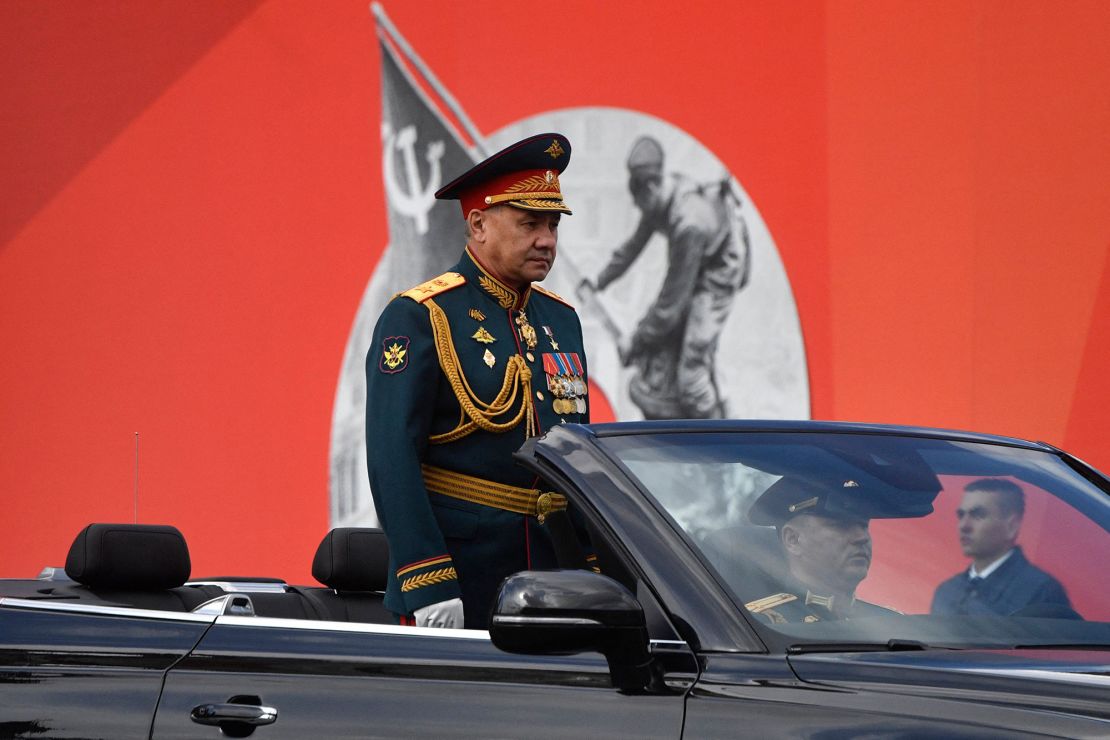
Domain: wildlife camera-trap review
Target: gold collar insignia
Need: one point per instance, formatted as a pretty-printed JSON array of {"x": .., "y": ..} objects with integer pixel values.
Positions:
[{"x": 504, "y": 296}]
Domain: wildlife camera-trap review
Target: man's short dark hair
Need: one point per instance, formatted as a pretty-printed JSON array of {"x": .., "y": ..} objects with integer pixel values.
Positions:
[{"x": 1011, "y": 497}]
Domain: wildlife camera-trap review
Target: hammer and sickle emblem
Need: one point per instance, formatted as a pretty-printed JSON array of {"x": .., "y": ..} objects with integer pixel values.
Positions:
[{"x": 417, "y": 201}]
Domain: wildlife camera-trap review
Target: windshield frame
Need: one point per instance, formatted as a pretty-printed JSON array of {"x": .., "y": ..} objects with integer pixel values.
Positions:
[{"x": 611, "y": 437}]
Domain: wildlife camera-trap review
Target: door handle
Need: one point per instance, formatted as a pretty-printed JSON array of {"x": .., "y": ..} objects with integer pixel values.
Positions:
[{"x": 247, "y": 714}]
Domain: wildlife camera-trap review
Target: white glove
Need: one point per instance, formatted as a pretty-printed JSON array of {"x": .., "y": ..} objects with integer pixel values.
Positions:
[{"x": 447, "y": 614}]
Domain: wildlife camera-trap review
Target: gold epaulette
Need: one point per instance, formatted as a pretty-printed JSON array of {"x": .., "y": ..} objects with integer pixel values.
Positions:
[
  {"x": 769, "y": 602},
  {"x": 434, "y": 287},
  {"x": 549, "y": 294}
]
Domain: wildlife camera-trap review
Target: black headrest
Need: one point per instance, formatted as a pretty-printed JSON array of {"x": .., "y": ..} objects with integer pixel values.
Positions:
[
  {"x": 129, "y": 557},
  {"x": 352, "y": 559}
]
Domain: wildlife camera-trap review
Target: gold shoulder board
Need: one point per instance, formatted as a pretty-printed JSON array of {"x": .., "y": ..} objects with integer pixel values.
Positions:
[
  {"x": 435, "y": 286},
  {"x": 769, "y": 602},
  {"x": 549, "y": 294}
]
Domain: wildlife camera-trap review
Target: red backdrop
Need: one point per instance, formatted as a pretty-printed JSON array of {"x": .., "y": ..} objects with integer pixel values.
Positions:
[{"x": 193, "y": 206}]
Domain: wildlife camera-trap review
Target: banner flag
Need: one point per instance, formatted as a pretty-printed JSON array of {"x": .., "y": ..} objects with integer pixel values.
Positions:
[{"x": 420, "y": 147}]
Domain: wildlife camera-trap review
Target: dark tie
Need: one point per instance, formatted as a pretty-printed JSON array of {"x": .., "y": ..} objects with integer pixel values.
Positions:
[{"x": 971, "y": 589}]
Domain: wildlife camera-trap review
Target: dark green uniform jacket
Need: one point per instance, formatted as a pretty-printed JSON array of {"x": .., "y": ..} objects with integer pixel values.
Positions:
[
  {"x": 460, "y": 369},
  {"x": 799, "y": 604}
]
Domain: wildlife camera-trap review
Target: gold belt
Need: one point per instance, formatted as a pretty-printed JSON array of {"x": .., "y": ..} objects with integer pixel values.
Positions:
[{"x": 528, "y": 501}]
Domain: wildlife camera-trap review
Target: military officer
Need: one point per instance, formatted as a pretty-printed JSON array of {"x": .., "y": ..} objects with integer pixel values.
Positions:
[
  {"x": 826, "y": 539},
  {"x": 461, "y": 371}
]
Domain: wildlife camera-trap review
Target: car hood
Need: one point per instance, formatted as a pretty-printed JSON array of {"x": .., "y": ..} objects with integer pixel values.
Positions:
[{"x": 1075, "y": 681}]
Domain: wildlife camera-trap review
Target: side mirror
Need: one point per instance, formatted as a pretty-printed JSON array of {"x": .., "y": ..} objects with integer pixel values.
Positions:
[{"x": 561, "y": 612}]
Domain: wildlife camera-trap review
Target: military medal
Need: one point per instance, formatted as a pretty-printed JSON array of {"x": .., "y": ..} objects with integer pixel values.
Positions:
[
  {"x": 527, "y": 333},
  {"x": 489, "y": 358},
  {"x": 483, "y": 336},
  {"x": 551, "y": 338},
  {"x": 565, "y": 381}
]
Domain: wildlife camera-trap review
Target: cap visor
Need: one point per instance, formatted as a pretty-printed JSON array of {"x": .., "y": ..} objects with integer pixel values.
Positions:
[{"x": 540, "y": 204}]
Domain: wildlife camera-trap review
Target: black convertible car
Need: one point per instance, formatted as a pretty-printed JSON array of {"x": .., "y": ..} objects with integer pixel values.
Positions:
[{"x": 705, "y": 620}]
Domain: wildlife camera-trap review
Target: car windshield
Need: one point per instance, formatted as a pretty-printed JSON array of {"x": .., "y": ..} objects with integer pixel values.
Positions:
[{"x": 878, "y": 539}]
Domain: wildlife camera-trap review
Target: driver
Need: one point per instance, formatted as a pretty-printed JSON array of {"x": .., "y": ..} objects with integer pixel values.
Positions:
[{"x": 826, "y": 539}]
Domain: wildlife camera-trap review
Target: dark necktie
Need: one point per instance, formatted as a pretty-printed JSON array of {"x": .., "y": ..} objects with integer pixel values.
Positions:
[{"x": 971, "y": 589}]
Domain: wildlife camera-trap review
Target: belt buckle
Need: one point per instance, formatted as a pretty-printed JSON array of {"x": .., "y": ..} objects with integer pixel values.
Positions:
[{"x": 545, "y": 504}]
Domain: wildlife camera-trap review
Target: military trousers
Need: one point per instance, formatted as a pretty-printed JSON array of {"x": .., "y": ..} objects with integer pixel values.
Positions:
[{"x": 696, "y": 373}]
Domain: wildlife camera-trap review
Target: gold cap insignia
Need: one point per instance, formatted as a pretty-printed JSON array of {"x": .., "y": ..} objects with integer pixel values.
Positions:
[{"x": 554, "y": 150}]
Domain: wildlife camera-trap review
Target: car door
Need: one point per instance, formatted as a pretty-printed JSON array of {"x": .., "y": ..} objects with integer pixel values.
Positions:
[
  {"x": 336, "y": 680},
  {"x": 69, "y": 670}
]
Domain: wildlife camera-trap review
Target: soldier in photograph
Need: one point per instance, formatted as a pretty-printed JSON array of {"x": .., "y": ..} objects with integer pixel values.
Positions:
[{"x": 674, "y": 345}]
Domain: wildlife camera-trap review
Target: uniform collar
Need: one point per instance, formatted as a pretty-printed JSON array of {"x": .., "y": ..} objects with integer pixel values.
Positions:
[{"x": 508, "y": 298}]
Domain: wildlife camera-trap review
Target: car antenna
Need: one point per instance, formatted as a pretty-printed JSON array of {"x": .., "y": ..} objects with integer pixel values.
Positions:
[{"x": 136, "y": 477}]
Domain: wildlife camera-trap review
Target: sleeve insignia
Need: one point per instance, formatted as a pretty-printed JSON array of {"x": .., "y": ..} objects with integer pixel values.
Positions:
[
  {"x": 395, "y": 355},
  {"x": 445, "y": 282},
  {"x": 426, "y": 573}
]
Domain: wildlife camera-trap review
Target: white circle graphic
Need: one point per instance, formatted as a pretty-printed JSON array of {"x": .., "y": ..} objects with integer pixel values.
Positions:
[{"x": 759, "y": 364}]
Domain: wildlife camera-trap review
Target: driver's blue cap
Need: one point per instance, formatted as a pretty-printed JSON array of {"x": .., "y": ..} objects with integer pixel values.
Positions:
[{"x": 842, "y": 496}]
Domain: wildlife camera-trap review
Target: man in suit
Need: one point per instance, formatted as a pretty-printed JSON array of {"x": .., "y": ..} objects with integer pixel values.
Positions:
[
  {"x": 1000, "y": 580},
  {"x": 462, "y": 369}
]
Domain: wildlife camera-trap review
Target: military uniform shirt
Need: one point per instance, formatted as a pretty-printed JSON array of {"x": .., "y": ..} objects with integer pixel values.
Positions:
[{"x": 796, "y": 603}]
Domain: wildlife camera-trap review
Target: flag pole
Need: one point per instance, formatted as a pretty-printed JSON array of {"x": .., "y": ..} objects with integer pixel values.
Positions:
[{"x": 385, "y": 24}]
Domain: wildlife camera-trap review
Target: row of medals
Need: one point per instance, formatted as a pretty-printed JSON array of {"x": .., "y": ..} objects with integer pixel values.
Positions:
[{"x": 569, "y": 391}]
